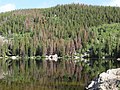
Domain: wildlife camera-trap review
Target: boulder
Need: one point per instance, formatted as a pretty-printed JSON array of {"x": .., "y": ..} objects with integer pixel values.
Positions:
[
  {"x": 52, "y": 57},
  {"x": 108, "y": 80}
]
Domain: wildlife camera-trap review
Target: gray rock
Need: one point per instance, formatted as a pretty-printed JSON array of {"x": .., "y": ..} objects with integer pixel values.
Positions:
[{"x": 109, "y": 80}]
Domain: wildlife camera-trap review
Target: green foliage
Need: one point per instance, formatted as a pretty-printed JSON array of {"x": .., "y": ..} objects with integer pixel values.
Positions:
[
  {"x": 62, "y": 29},
  {"x": 105, "y": 40}
]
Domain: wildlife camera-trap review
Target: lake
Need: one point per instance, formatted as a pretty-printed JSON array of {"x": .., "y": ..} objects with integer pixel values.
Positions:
[{"x": 40, "y": 74}]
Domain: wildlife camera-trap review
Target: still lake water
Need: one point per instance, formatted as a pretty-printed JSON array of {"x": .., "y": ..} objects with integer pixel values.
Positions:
[{"x": 65, "y": 74}]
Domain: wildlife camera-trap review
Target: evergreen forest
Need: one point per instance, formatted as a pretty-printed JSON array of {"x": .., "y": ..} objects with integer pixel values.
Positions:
[{"x": 63, "y": 30}]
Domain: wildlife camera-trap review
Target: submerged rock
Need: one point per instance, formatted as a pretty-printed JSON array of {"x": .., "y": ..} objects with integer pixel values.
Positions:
[{"x": 109, "y": 80}]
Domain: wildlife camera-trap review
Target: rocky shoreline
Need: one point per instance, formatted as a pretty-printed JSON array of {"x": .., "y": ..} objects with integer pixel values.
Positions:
[{"x": 109, "y": 80}]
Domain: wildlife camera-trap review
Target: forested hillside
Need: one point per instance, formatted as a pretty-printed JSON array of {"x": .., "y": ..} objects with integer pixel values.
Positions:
[
  {"x": 105, "y": 40},
  {"x": 63, "y": 29}
]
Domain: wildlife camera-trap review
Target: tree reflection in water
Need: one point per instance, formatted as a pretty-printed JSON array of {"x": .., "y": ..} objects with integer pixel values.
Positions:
[{"x": 65, "y": 74}]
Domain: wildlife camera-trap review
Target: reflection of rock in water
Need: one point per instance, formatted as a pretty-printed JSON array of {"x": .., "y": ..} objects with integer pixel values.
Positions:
[
  {"x": 8, "y": 66},
  {"x": 2, "y": 72}
]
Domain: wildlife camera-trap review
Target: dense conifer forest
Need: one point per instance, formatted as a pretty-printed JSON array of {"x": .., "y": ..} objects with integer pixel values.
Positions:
[{"x": 62, "y": 30}]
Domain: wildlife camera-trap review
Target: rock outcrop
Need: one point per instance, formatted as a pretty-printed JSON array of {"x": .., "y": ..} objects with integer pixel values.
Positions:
[
  {"x": 3, "y": 40},
  {"x": 52, "y": 57},
  {"x": 109, "y": 80}
]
